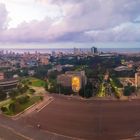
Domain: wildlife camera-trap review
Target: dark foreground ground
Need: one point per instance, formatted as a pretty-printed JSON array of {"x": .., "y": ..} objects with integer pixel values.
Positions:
[
  {"x": 8, "y": 134},
  {"x": 93, "y": 120}
]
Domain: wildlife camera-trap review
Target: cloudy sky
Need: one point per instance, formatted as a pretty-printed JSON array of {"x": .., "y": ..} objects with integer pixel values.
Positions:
[{"x": 55, "y": 21}]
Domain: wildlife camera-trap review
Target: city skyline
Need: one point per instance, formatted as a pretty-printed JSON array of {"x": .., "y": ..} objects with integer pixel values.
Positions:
[
  {"x": 69, "y": 69},
  {"x": 69, "y": 22}
]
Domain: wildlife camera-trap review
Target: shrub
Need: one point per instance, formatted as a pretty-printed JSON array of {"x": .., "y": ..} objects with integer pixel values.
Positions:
[
  {"x": 4, "y": 109},
  {"x": 31, "y": 90},
  {"x": 41, "y": 98},
  {"x": 23, "y": 99},
  {"x": 12, "y": 107}
]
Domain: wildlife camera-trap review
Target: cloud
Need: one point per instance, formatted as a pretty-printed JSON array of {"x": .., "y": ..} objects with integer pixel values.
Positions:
[
  {"x": 81, "y": 21},
  {"x": 98, "y": 14},
  {"x": 93, "y": 15},
  {"x": 124, "y": 32},
  {"x": 34, "y": 31},
  {"x": 3, "y": 17}
]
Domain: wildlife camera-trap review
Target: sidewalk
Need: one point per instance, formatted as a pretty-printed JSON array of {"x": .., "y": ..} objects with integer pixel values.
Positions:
[{"x": 35, "y": 107}]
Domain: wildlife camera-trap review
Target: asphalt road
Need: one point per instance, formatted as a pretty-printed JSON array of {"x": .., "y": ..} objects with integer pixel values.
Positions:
[
  {"x": 93, "y": 119},
  {"x": 19, "y": 130},
  {"x": 67, "y": 118},
  {"x": 7, "y": 134}
]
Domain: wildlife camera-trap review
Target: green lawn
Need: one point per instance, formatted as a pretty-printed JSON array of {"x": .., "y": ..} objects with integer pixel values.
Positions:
[
  {"x": 22, "y": 107},
  {"x": 32, "y": 101},
  {"x": 5, "y": 102},
  {"x": 34, "y": 82},
  {"x": 38, "y": 83}
]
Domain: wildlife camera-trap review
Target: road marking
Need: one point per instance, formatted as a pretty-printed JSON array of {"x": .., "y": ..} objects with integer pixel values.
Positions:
[
  {"x": 50, "y": 100},
  {"x": 61, "y": 135},
  {"x": 14, "y": 131}
]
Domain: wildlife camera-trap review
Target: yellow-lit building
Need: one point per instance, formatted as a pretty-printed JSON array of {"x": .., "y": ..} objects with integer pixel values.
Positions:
[
  {"x": 76, "y": 83},
  {"x": 73, "y": 79}
]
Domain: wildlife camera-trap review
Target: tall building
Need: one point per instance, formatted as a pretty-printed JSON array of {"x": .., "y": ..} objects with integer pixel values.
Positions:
[
  {"x": 53, "y": 53},
  {"x": 137, "y": 79},
  {"x": 94, "y": 50},
  {"x": 76, "y": 51}
]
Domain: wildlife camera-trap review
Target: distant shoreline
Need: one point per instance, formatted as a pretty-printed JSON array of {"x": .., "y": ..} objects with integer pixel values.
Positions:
[{"x": 70, "y": 50}]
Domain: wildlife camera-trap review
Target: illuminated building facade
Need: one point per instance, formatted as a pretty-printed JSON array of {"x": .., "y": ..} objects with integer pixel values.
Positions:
[{"x": 74, "y": 79}]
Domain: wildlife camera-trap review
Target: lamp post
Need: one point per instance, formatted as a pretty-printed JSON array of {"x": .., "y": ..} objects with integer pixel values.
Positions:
[{"x": 59, "y": 89}]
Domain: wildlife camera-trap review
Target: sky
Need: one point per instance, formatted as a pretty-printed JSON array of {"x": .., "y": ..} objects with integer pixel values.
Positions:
[{"x": 72, "y": 21}]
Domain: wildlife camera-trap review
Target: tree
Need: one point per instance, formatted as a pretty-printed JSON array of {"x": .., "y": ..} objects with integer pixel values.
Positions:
[
  {"x": 65, "y": 90},
  {"x": 52, "y": 86},
  {"x": 15, "y": 107},
  {"x": 4, "y": 109},
  {"x": 88, "y": 90},
  {"x": 88, "y": 93},
  {"x": 12, "y": 107},
  {"x": 24, "y": 89},
  {"x": 13, "y": 93},
  {"x": 32, "y": 91},
  {"x": 41, "y": 98},
  {"x": 46, "y": 86},
  {"x": 23, "y": 99},
  {"x": 128, "y": 90},
  {"x": 19, "y": 86},
  {"x": 3, "y": 94}
]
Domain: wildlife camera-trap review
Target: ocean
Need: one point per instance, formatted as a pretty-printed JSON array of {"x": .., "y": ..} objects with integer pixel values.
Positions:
[{"x": 127, "y": 47}]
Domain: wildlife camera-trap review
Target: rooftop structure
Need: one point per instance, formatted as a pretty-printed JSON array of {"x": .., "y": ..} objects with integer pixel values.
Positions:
[
  {"x": 123, "y": 68},
  {"x": 7, "y": 84}
]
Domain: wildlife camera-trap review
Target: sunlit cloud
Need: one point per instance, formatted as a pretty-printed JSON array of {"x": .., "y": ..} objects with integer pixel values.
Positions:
[{"x": 69, "y": 20}]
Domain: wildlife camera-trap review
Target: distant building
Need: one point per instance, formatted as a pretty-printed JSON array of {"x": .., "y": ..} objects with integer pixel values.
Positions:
[
  {"x": 44, "y": 60},
  {"x": 138, "y": 69},
  {"x": 1, "y": 76},
  {"x": 106, "y": 76},
  {"x": 31, "y": 72},
  {"x": 59, "y": 68},
  {"x": 77, "y": 51},
  {"x": 53, "y": 53},
  {"x": 94, "y": 50},
  {"x": 22, "y": 64},
  {"x": 32, "y": 63},
  {"x": 8, "y": 84},
  {"x": 15, "y": 76},
  {"x": 137, "y": 79},
  {"x": 123, "y": 68}
]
